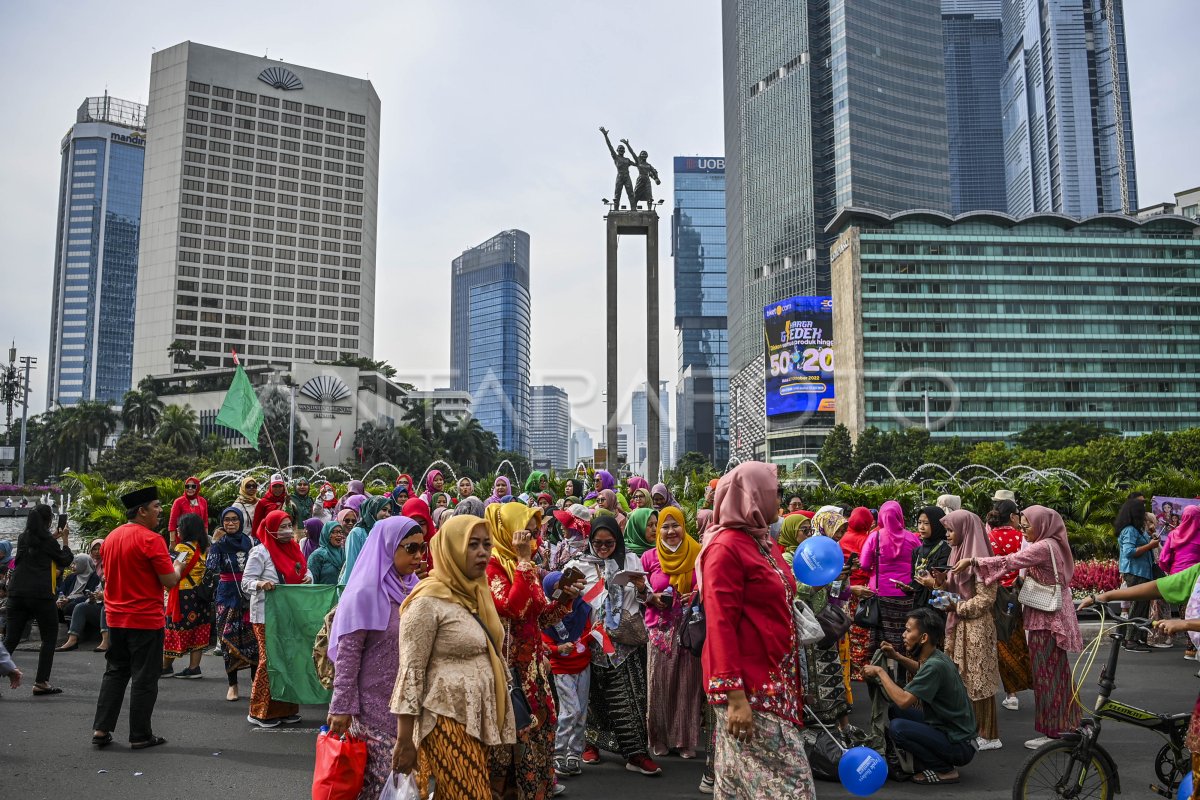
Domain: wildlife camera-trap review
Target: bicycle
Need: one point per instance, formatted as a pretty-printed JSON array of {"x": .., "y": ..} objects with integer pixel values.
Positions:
[{"x": 1077, "y": 767}]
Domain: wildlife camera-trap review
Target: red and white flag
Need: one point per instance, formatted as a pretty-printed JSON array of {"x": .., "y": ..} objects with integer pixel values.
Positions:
[
  {"x": 595, "y": 591},
  {"x": 236, "y": 363},
  {"x": 317, "y": 457},
  {"x": 601, "y": 637},
  {"x": 337, "y": 442}
]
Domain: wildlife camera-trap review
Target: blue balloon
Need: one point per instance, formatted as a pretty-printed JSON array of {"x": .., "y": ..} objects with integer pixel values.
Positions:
[
  {"x": 1185, "y": 788},
  {"x": 863, "y": 771},
  {"x": 818, "y": 561}
]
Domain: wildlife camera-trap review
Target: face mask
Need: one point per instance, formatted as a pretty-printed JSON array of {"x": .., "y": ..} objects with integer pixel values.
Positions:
[
  {"x": 670, "y": 548},
  {"x": 328, "y": 495}
]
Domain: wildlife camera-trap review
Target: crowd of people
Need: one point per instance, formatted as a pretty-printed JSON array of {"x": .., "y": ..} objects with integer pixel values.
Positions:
[{"x": 501, "y": 644}]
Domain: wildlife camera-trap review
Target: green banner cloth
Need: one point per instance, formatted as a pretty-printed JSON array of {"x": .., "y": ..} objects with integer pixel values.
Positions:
[
  {"x": 241, "y": 410},
  {"x": 294, "y": 615}
]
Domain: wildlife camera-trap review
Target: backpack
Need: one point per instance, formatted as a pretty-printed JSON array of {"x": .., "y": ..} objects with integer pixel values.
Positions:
[{"x": 320, "y": 653}]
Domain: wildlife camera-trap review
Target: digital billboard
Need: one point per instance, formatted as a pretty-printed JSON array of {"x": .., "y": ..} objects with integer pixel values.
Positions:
[{"x": 799, "y": 355}]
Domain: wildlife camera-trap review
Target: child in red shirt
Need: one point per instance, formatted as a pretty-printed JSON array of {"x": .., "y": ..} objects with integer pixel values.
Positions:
[{"x": 571, "y": 663}]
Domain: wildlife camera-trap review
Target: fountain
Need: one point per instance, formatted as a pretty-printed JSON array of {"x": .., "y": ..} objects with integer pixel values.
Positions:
[
  {"x": 367, "y": 475},
  {"x": 921, "y": 469},
  {"x": 867, "y": 468},
  {"x": 513, "y": 470},
  {"x": 820, "y": 471},
  {"x": 581, "y": 472},
  {"x": 731, "y": 463},
  {"x": 453, "y": 480}
]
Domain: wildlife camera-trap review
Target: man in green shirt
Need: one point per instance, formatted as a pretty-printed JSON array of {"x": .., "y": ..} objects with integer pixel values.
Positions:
[
  {"x": 931, "y": 717},
  {"x": 1176, "y": 589}
]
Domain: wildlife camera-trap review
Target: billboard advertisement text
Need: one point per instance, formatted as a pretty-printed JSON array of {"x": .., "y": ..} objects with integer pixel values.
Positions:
[{"x": 799, "y": 355}]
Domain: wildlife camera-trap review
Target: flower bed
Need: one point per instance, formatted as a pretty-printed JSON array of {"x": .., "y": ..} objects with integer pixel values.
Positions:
[{"x": 1094, "y": 576}]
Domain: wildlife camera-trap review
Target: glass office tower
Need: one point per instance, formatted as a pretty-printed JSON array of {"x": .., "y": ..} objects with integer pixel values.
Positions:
[
  {"x": 973, "y": 38},
  {"x": 1068, "y": 126},
  {"x": 489, "y": 334},
  {"x": 698, "y": 247},
  {"x": 96, "y": 253}
]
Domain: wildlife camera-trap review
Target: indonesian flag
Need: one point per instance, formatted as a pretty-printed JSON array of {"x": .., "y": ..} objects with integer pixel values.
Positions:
[
  {"x": 337, "y": 441},
  {"x": 601, "y": 636},
  {"x": 236, "y": 362},
  {"x": 317, "y": 457},
  {"x": 598, "y": 588}
]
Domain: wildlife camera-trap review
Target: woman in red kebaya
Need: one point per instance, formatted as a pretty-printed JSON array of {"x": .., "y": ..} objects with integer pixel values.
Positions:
[
  {"x": 1013, "y": 654},
  {"x": 752, "y": 652}
]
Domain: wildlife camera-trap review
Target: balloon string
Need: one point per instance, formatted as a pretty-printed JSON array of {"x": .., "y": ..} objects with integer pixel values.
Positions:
[{"x": 831, "y": 734}]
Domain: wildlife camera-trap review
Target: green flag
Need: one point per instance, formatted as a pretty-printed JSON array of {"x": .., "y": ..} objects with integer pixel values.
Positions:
[
  {"x": 241, "y": 410},
  {"x": 294, "y": 616}
]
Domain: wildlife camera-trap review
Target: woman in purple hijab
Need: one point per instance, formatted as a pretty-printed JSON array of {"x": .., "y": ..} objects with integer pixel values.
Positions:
[
  {"x": 364, "y": 642},
  {"x": 312, "y": 536}
]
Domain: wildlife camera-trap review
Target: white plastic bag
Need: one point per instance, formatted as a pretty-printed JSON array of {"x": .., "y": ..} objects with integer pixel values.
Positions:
[
  {"x": 400, "y": 787},
  {"x": 808, "y": 630}
]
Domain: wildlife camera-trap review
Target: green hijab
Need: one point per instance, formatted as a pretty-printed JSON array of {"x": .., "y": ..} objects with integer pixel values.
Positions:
[
  {"x": 369, "y": 509},
  {"x": 789, "y": 534},
  {"x": 635, "y": 531},
  {"x": 533, "y": 484},
  {"x": 336, "y": 555}
]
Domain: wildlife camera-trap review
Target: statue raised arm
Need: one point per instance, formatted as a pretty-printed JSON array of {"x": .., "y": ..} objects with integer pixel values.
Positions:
[{"x": 622, "y": 163}]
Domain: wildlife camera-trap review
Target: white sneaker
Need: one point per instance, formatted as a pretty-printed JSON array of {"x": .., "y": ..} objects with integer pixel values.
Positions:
[
  {"x": 706, "y": 785},
  {"x": 988, "y": 744},
  {"x": 264, "y": 723},
  {"x": 1011, "y": 703},
  {"x": 1038, "y": 743}
]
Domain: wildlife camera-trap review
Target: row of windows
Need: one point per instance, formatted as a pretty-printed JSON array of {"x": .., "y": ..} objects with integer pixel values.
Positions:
[
  {"x": 1001, "y": 328},
  {"x": 261, "y": 294},
  {"x": 242, "y": 153},
  {"x": 242, "y": 137},
  {"x": 914, "y": 408},
  {"x": 1042, "y": 251},
  {"x": 260, "y": 211},
  {"x": 324, "y": 312},
  {"x": 273, "y": 102},
  {"x": 262, "y": 237},
  {"x": 192, "y": 199}
]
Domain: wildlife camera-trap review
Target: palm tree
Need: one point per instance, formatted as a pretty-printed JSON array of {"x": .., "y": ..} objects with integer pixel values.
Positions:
[
  {"x": 179, "y": 428},
  {"x": 422, "y": 415},
  {"x": 82, "y": 425},
  {"x": 472, "y": 446},
  {"x": 180, "y": 352},
  {"x": 141, "y": 411}
]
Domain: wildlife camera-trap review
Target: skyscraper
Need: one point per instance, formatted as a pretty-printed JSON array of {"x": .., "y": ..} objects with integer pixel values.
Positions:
[
  {"x": 489, "y": 334},
  {"x": 1068, "y": 123},
  {"x": 96, "y": 253},
  {"x": 698, "y": 246},
  {"x": 260, "y": 201},
  {"x": 827, "y": 104},
  {"x": 641, "y": 428},
  {"x": 973, "y": 42},
  {"x": 550, "y": 426},
  {"x": 581, "y": 447}
]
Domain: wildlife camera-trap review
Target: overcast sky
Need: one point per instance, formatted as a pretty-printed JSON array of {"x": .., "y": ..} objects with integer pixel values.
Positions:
[{"x": 490, "y": 116}]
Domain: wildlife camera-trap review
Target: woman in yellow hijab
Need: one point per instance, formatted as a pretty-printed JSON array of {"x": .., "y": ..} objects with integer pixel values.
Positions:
[
  {"x": 676, "y": 682},
  {"x": 451, "y": 640},
  {"x": 524, "y": 609}
]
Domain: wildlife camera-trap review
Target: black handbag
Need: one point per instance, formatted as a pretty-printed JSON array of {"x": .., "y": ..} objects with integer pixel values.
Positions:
[
  {"x": 691, "y": 627},
  {"x": 522, "y": 711},
  {"x": 834, "y": 622},
  {"x": 867, "y": 615},
  {"x": 1006, "y": 613}
]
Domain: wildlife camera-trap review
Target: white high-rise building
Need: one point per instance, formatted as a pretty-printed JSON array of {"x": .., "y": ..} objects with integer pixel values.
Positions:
[
  {"x": 259, "y": 208},
  {"x": 550, "y": 426},
  {"x": 581, "y": 446},
  {"x": 641, "y": 427}
]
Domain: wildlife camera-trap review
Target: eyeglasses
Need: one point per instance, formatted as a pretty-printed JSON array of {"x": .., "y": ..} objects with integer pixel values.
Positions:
[
  {"x": 192, "y": 486},
  {"x": 1023, "y": 524},
  {"x": 603, "y": 545},
  {"x": 414, "y": 548}
]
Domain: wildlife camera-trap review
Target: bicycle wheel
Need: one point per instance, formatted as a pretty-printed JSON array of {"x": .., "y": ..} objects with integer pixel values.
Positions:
[{"x": 1052, "y": 763}]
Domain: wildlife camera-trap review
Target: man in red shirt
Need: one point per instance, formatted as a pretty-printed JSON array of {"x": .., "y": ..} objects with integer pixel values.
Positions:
[{"x": 137, "y": 567}]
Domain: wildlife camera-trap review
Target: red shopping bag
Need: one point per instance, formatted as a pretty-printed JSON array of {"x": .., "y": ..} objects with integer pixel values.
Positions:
[{"x": 340, "y": 767}]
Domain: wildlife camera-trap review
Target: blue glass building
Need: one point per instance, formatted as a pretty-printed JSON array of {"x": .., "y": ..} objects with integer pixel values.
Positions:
[
  {"x": 698, "y": 247},
  {"x": 96, "y": 253},
  {"x": 973, "y": 39},
  {"x": 489, "y": 334},
  {"x": 1068, "y": 126}
]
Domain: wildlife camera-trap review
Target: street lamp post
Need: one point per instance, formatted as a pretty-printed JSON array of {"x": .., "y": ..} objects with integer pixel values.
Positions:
[{"x": 29, "y": 362}]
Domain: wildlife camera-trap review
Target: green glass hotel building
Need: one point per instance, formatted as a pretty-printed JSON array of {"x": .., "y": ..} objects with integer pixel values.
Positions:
[{"x": 982, "y": 324}]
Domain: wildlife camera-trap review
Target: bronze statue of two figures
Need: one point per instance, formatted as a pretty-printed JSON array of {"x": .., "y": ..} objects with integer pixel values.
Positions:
[{"x": 642, "y": 192}]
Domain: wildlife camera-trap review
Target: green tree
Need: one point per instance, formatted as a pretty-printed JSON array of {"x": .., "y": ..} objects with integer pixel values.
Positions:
[
  {"x": 471, "y": 446},
  {"x": 836, "y": 458},
  {"x": 868, "y": 449},
  {"x": 141, "y": 410},
  {"x": 520, "y": 464},
  {"x": 421, "y": 414},
  {"x": 179, "y": 428},
  {"x": 277, "y": 417},
  {"x": 85, "y": 426},
  {"x": 180, "y": 352},
  {"x": 368, "y": 365},
  {"x": 1057, "y": 435},
  {"x": 692, "y": 462}
]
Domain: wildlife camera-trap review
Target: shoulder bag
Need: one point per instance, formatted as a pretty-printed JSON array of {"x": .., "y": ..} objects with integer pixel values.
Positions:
[
  {"x": 1036, "y": 594},
  {"x": 522, "y": 711},
  {"x": 691, "y": 626},
  {"x": 867, "y": 615}
]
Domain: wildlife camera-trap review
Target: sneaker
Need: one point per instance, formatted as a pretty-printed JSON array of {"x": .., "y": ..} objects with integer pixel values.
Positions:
[
  {"x": 217, "y": 651},
  {"x": 169, "y": 672},
  {"x": 263, "y": 723},
  {"x": 644, "y": 764},
  {"x": 290, "y": 719},
  {"x": 1163, "y": 645},
  {"x": 1136, "y": 647},
  {"x": 1038, "y": 743},
  {"x": 560, "y": 766},
  {"x": 189, "y": 674},
  {"x": 1011, "y": 703},
  {"x": 574, "y": 767},
  {"x": 988, "y": 744},
  {"x": 557, "y": 789},
  {"x": 591, "y": 754},
  {"x": 706, "y": 785}
]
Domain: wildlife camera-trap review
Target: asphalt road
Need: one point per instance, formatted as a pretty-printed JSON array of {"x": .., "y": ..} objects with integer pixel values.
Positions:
[{"x": 212, "y": 752}]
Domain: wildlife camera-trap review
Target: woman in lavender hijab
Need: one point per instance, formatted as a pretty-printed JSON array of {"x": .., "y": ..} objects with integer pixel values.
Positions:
[
  {"x": 364, "y": 642},
  {"x": 312, "y": 536}
]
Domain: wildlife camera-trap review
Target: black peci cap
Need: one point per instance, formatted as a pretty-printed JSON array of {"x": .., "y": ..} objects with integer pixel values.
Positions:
[{"x": 139, "y": 497}]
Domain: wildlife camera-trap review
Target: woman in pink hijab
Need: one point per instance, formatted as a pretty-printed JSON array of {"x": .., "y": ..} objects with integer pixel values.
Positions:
[
  {"x": 887, "y": 558},
  {"x": 1182, "y": 548},
  {"x": 1052, "y": 634}
]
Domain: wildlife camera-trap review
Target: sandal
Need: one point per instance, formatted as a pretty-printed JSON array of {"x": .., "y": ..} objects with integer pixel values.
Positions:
[
  {"x": 929, "y": 778},
  {"x": 102, "y": 741},
  {"x": 153, "y": 741},
  {"x": 48, "y": 690},
  {"x": 99, "y": 649}
]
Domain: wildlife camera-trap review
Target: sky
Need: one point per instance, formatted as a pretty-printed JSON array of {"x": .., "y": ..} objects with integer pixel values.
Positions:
[{"x": 490, "y": 116}]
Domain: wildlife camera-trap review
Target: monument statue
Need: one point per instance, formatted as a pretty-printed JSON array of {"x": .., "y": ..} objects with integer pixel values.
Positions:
[
  {"x": 646, "y": 173},
  {"x": 623, "y": 163}
]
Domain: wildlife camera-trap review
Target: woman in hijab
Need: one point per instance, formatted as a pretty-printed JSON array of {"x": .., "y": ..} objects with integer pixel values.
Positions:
[
  {"x": 451, "y": 694},
  {"x": 276, "y": 559},
  {"x": 326, "y": 505},
  {"x": 434, "y": 482},
  {"x": 640, "y": 527},
  {"x": 524, "y": 610},
  {"x": 796, "y": 528},
  {"x": 90, "y": 612},
  {"x": 641, "y": 499},
  {"x": 1005, "y": 538},
  {"x": 970, "y": 630},
  {"x": 617, "y": 700},
  {"x": 76, "y": 587},
  {"x": 661, "y": 496},
  {"x": 501, "y": 489},
  {"x": 312, "y": 536},
  {"x": 637, "y": 482},
  {"x": 190, "y": 502},
  {"x": 751, "y": 654},
  {"x": 189, "y": 616},
  {"x": 536, "y": 482},
  {"x": 858, "y": 527},
  {"x": 828, "y": 667},
  {"x": 949, "y": 502},
  {"x": 276, "y": 499},
  {"x": 468, "y": 507},
  {"x": 228, "y": 556},
  {"x": 605, "y": 480},
  {"x": 570, "y": 661},
  {"x": 1052, "y": 634},
  {"x": 357, "y": 489},
  {"x": 676, "y": 685},
  {"x": 417, "y": 509},
  {"x": 247, "y": 501},
  {"x": 372, "y": 510},
  {"x": 887, "y": 558},
  {"x": 326, "y": 561},
  {"x": 302, "y": 502},
  {"x": 6, "y": 551},
  {"x": 466, "y": 487},
  {"x": 364, "y": 643},
  {"x": 574, "y": 492},
  {"x": 929, "y": 561},
  {"x": 1182, "y": 548}
]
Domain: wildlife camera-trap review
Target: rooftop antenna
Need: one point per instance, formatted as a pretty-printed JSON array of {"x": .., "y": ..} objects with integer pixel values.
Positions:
[{"x": 267, "y": 53}]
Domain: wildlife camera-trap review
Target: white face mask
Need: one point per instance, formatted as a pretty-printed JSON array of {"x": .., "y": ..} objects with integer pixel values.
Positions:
[
  {"x": 672, "y": 548},
  {"x": 329, "y": 495}
]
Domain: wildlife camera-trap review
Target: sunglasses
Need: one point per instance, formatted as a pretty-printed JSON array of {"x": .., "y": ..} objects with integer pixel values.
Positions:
[
  {"x": 603, "y": 545},
  {"x": 414, "y": 548},
  {"x": 192, "y": 486}
]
